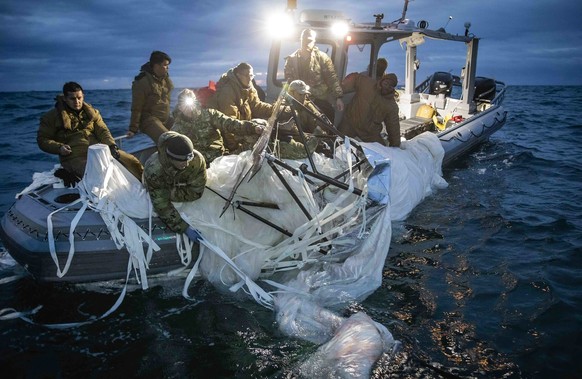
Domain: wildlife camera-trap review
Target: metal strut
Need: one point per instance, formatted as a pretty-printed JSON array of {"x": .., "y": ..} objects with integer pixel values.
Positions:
[
  {"x": 239, "y": 205},
  {"x": 289, "y": 189}
]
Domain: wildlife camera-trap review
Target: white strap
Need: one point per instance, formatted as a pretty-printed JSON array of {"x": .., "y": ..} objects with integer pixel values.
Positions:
[
  {"x": 51, "y": 239},
  {"x": 192, "y": 274},
  {"x": 10, "y": 313}
]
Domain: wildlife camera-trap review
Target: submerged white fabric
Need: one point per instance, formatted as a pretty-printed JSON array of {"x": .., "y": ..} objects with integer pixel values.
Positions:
[
  {"x": 307, "y": 287},
  {"x": 305, "y": 299}
]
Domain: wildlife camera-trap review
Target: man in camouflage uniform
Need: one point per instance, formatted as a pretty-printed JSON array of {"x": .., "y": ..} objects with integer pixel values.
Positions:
[
  {"x": 176, "y": 172},
  {"x": 72, "y": 126},
  {"x": 286, "y": 136},
  {"x": 150, "y": 98},
  {"x": 372, "y": 105},
  {"x": 316, "y": 69},
  {"x": 205, "y": 127},
  {"x": 237, "y": 97}
]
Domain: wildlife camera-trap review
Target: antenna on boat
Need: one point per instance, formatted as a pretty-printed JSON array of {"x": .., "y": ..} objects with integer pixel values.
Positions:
[
  {"x": 467, "y": 26},
  {"x": 404, "y": 11},
  {"x": 378, "y": 24}
]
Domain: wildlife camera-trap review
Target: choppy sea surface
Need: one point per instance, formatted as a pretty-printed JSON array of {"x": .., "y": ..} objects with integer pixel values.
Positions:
[{"x": 483, "y": 280}]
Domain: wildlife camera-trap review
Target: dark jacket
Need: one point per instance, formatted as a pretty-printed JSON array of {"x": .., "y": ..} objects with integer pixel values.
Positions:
[
  {"x": 150, "y": 97},
  {"x": 364, "y": 115}
]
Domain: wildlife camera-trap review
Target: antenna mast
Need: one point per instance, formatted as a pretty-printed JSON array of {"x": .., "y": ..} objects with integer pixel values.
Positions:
[{"x": 404, "y": 10}]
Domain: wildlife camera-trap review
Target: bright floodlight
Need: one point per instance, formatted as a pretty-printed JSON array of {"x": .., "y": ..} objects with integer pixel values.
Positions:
[
  {"x": 339, "y": 28},
  {"x": 280, "y": 25}
]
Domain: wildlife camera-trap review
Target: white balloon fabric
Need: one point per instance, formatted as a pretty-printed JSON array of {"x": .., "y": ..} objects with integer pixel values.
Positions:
[
  {"x": 308, "y": 285},
  {"x": 315, "y": 251}
]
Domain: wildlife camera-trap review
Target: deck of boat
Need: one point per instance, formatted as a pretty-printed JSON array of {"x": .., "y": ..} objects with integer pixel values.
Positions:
[{"x": 414, "y": 126}]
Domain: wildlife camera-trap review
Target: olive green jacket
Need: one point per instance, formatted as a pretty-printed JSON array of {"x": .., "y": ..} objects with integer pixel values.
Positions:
[
  {"x": 166, "y": 184},
  {"x": 206, "y": 130},
  {"x": 364, "y": 115},
  {"x": 150, "y": 97},
  {"x": 317, "y": 72},
  {"x": 64, "y": 126},
  {"x": 232, "y": 99}
]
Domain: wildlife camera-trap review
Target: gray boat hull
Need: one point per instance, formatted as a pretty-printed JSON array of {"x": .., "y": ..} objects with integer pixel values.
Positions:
[
  {"x": 467, "y": 135},
  {"x": 24, "y": 233}
]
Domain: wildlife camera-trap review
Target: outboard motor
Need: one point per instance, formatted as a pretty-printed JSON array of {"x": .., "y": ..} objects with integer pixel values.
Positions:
[
  {"x": 441, "y": 83},
  {"x": 484, "y": 89}
]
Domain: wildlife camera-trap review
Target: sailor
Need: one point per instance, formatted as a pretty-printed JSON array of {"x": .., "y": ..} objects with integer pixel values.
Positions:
[
  {"x": 287, "y": 133},
  {"x": 72, "y": 126},
  {"x": 150, "y": 98},
  {"x": 237, "y": 97},
  {"x": 205, "y": 127},
  {"x": 381, "y": 66},
  {"x": 301, "y": 92},
  {"x": 176, "y": 172},
  {"x": 316, "y": 69},
  {"x": 373, "y": 104}
]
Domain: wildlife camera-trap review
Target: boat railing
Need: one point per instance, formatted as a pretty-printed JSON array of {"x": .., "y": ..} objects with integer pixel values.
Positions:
[
  {"x": 119, "y": 140},
  {"x": 500, "y": 95},
  {"x": 423, "y": 87}
]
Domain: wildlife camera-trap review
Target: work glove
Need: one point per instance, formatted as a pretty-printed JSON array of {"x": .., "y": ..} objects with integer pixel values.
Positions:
[
  {"x": 260, "y": 121},
  {"x": 115, "y": 151},
  {"x": 69, "y": 179},
  {"x": 193, "y": 234},
  {"x": 253, "y": 127}
]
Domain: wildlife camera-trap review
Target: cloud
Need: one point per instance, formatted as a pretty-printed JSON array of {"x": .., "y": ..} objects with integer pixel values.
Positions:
[{"x": 104, "y": 42}]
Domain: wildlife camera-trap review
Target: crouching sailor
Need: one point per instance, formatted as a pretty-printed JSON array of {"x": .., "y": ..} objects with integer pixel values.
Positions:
[
  {"x": 72, "y": 126},
  {"x": 177, "y": 173},
  {"x": 206, "y": 127}
]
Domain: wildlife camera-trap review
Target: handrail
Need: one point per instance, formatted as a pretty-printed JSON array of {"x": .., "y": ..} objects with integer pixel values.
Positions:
[
  {"x": 421, "y": 88},
  {"x": 119, "y": 140},
  {"x": 499, "y": 96}
]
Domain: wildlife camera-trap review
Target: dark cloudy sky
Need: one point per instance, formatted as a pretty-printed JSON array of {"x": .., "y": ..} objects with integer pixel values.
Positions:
[{"x": 102, "y": 43}]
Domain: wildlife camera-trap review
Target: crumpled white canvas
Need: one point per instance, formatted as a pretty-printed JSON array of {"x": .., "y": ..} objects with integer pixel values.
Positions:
[{"x": 307, "y": 298}]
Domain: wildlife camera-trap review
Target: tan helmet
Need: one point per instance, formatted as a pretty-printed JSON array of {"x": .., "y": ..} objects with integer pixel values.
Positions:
[{"x": 299, "y": 87}]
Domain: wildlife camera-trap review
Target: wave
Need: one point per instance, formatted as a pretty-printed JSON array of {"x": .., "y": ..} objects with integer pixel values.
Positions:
[
  {"x": 45, "y": 107},
  {"x": 9, "y": 107}
]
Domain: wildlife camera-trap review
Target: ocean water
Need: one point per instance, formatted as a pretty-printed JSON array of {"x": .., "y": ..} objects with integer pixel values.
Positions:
[{"x": 483, "y": 279}]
